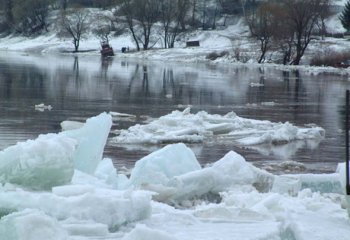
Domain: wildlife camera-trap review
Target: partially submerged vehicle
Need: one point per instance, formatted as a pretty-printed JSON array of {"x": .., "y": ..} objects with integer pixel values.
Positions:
[{"x": 106, "y": 50}]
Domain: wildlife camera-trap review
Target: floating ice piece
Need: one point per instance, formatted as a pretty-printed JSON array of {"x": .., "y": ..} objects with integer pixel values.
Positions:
[
  {"x": 92, "y": 138},
  {"x": 268, "y": 103},
  {"x": 118, "y": 114},
  {"x": 186, "y": 127},
  {"x": 31, "y": 225},
  {"x": 42, "y": 107},
  {"x": 160, "y": 166},
  {"x": 231, "y": 170},
  {"x": 292, "y": 184},
  {"x": 277, "y": 134},
  {"x": 70, "y": 125},
  {"x": 253, "y": 84},
  {"x": 105, "y": 206},
  {"x": 123, "y": 116},
  {"x": 39, "y": 164}
]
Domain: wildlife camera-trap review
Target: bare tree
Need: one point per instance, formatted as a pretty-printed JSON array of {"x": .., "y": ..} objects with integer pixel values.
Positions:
[
  {"x": 104, "y": 27},
  {"x": 30, "y": 16},
  {"x": 127, "y": 9},
  {"x": 147, "y": 14},
  {"x": 262, "y": 26},
  {"x": 8, "y": 10},
  {"x": 302, "y": 17},
  {"x": 74, "y": 23},
  {"x": 171, "y": 14},
  {"x": 325, "y": 12},
  {"x": 140, "y": 16}
]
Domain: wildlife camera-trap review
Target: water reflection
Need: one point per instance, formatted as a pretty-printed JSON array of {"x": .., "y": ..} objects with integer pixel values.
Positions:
[{"x": 80, "y": 87}]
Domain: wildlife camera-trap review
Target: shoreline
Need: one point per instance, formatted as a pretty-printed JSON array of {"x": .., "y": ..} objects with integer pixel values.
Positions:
[{"x": 51, "y": 45}]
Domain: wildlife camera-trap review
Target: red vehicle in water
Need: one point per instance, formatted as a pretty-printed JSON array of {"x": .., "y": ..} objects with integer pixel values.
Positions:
[{"x": 106, "y": 50}]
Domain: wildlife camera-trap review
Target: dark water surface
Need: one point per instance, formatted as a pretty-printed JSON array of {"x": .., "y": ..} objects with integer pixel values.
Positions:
[{"x": 84, "y": 86}]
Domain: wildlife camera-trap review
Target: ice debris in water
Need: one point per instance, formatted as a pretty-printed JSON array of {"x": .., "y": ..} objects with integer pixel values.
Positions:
[
  {"x": 84, "y": 196},
  {"x": 78, "y": 189},
  {"x": 42, "y": 107},
  {"x": 187, "y": 127}
]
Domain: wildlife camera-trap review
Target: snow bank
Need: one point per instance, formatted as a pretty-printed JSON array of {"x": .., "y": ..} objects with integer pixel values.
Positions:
[
  {"x": 39, "y": 164},
  {"x": 92, "y": 138},
  {"x": 187, "y": 127}
]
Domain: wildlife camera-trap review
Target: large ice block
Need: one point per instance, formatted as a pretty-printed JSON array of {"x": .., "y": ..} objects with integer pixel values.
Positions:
[
  {"x": 39, "y": 164},
  {"x": 160, "y": 166},
  {"x": 92, "y": 138},
  {"x": 229, "y": 171}
]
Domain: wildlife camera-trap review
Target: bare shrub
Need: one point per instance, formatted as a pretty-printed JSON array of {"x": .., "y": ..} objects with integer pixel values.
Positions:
[
  {"x": 214, "y": 55},
  {"x": 329, "y": 58}
]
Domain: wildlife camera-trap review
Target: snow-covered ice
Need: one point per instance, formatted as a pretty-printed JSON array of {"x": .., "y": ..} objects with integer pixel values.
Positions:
[
  {"x": 183, "y": 126},
  {"x": 168, "y": 195}
]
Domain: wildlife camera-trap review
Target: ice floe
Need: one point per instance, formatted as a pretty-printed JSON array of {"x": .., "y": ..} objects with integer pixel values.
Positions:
[
  {"x": 42, "y": 107},
  {"x": 183, "y": 126}
]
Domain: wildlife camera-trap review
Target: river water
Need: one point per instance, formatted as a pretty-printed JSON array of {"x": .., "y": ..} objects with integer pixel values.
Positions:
[{"x": 84, "y": 86}]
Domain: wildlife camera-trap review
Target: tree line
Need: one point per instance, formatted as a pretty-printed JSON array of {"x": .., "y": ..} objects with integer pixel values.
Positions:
[
  {"x": 31, "y": 16},
  {"x": 138, "y": 17}
]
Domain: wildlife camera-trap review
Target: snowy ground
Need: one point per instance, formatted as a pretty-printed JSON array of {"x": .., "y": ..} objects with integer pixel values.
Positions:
[{"x": 58, "y": 186}]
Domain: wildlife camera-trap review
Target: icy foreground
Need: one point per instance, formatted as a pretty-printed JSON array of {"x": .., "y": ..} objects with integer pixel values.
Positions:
[
  {"x": 187, "y": 127},
  {"x": 168, "y": 195}
]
